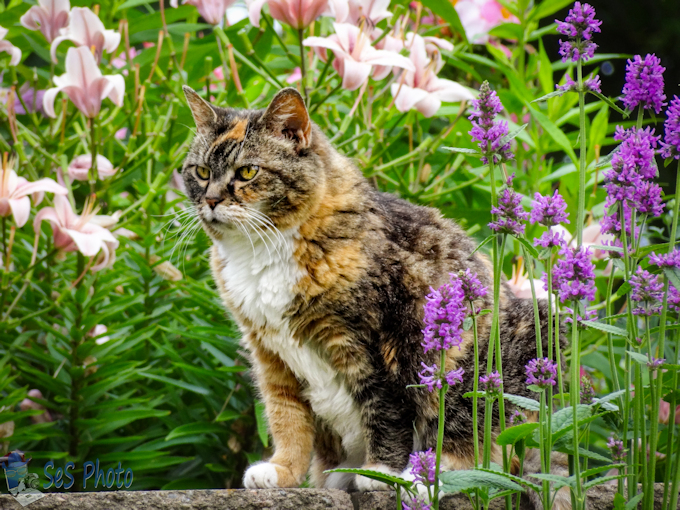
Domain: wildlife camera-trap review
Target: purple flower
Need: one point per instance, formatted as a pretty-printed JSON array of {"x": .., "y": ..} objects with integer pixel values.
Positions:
[
  {"x": 549, "y": 210},
  {"x": 574, "y": 275},
  {"x": 454, "y": 377},
  {"x": 673, "y": 299},
  {"x": 632, "y": 162},
  {"x": 550, "y": 239},
  {"x": 445, "y": 312},
  {"x": 591, "y": 315},
  {"x": 491, "y": 384},
  {"x": 655, "y": 363},
  {"x": 579, "y": 25},
  {"x": 592, "y": 84},
  {"x": 671, "y": 143},
  {"x": 33, "y": 100},
  {"x": 671, "y": 259},
  {"x": 510, "y": 213},
  {"x": 485, "y": 130},
  {"x": 424, "y": 464},
  {"x": 517, "y": 418},
  {"x": 430, "y": 377},
  {"x": 647, "y": 291},
  {"x": 618, "y": 452},
  {"x": 472, "y": 287},
  {"x": 416, "y": 504},
  {"x": 541, "y": 372},
  {"x": 647, "y": 199},
  {"x": 644, "y": 83}
]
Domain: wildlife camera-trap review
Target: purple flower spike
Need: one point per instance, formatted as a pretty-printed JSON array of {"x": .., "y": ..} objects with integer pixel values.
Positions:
[
  {"x": 655, "y": 363},
  {"x": 673, "y": 299},
  {"x": 550, "y": 239},
  {"x": 424, "y": 464},
  {"x": 510, "y": 213},
  {"x": 472, "y": 287},
  {"x": 416, "y": 504},
  {"x": 541, "y": 372},
  {"x": 579, "y": 25},
  {"x": 549, "y": 210},
  {"x": 647, "y": 199},
  {"x": 618, "y": 452},
  {"x": 445, "y": 312},
  {"x": 671, "y": 143},
  {"x": 574, "y": 275},
  {"x": 491, "y": 384},
  {"x": 430, "y": 377},
  {"x": 671, "y": 259},
  {"x": 647, "y": 292},
  {"x": 517, "y": 418},
  {"x": 454, "y": 377},
  {"x": 592, "y": 84},
  {"x": 644, "y": 83},
  {"x": 485, "y": 130}
]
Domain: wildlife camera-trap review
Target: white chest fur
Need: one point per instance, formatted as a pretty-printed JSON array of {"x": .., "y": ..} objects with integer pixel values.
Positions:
[{"x": 260, "y": 280}]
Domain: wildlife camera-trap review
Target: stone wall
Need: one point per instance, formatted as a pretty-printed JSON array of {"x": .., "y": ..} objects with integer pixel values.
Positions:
[{"x": 599, "y": 498}]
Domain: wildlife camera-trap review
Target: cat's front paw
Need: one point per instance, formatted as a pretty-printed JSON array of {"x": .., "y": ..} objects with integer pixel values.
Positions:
[
  {"x": 267, "y": 475},
  {"x": 365, "y": 484}
]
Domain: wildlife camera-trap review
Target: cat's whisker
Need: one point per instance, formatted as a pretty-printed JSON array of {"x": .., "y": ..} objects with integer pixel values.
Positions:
[
  {"x": 186, "y": 231},
  {"x": 259, "y": 234},
  {"x": 243, "y": 229},
  {"x": 275, "y": 242},
  {"x": 268, "y": 222}
]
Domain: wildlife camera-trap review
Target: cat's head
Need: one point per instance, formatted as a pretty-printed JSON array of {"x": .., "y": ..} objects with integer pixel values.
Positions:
[{"x": 244, "y": 164}]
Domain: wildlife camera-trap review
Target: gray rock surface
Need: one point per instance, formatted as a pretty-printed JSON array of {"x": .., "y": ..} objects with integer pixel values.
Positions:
[{"x": 599, "y": 498}]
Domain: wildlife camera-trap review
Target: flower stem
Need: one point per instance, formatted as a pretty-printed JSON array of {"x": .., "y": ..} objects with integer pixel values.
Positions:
[
  {"x": 440, "y": 430},
  {"x": 303, "y": 71},
  {"x": 574, "y": 395},
  {"x": 581, "y": 157},
  {"x": 475, "y": 387}
]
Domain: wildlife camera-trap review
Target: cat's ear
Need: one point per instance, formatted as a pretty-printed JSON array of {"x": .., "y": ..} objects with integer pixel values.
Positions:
[
  {"x": 287, "y": 117},
  {"x": 204, "y": 114}
]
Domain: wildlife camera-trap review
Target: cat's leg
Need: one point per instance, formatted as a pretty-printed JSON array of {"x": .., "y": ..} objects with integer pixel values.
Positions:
[
  {"x": 290, "y": 422},
  {"x": 387, "y": 420},
  {"x": 328, "y": 454}
]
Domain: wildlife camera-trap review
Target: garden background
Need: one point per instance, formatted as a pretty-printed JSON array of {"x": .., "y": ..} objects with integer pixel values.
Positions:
[{"x": 135, "y": 360}]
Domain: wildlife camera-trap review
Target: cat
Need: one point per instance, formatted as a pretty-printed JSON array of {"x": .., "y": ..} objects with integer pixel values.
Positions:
[{"x": 326, "y": 278}]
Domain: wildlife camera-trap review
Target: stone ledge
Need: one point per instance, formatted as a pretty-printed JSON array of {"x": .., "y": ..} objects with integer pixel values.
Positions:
[{"x": 599, "y": 498}]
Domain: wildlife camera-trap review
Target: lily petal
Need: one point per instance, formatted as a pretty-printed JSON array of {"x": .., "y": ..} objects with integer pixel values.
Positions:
[{"x": 21, "y": 209}]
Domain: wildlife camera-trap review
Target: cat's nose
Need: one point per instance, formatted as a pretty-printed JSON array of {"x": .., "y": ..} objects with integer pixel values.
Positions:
[{"x": 212, "y": 202}]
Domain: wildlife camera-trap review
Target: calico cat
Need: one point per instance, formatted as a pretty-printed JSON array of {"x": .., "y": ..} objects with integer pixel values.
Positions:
[{"x": 326, "y": 278}]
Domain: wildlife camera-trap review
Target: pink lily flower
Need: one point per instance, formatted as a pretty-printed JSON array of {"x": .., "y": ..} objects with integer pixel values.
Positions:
[
  {"x": 296, "y": 13},
  {"x": 86, "y": 29},
  {"x": 79, "y": 168},
  {"x": 355, "y": 58},
  {"x": 520, "y": 285},
  {"x": 14, "y": 191},
  {"x": 480, "y": 16},
  {"x": 28, "y": 404},
  {"x": 373, "y": 11},
  {"x": 8, "y": 47},
  {"x": 212, "y": 11},
  {"x": 78, "y": 233},
  {"x": 49, "y": 16},
  {"x": 421, "y": 89},
  {"x": 84, "y": 84},
  {"x": 296, "y": 75}
]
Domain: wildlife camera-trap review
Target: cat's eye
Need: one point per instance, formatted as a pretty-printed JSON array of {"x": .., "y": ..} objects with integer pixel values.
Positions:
[
  {"x": 203, "y": 172},
  {"x": 248, "y": 172}
]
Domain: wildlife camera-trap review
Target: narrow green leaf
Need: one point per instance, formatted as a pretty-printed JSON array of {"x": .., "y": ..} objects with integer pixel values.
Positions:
[
  {"x": 609, "y": 102},
  {"x": 642, "y": 359},
  {"x": 513, "y": 434},
  {"x": 605, "y": 327},
  {"x": 555, "y": 93},
  {"x": 463, "y": 150},
  {"x": 464, "y": 480},
  {"x": 262, "y": 425},
  {"x": 192, "y": 429},
  {"x": 673, "y": 274},
  {"x": 448, "y": 13},
  {"x": 555, "y": 133},
  {"x": 375, "y": 475},
  {"x": 524, "y": 402}
]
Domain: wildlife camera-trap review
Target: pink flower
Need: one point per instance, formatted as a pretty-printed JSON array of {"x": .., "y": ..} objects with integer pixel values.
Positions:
[
  {"x": 78, "y": 233},
  {"x": 421, "y": 89},
  {"x": 49, "y": 16},
  {"x": 121, "y": 60},
  {"x": 211, "y": 10},
  {"x": 480, "y": 16},
  {"x": 373, "y": 11},
  {"x": 121, "y": 133},
  {"x": 28, "y": 404},
  {"x": 86, "y": 29},
  {"x": 84, "y": 84},
  {"x": 355, "y": 58},
  {"x": 97, "y": 333},
  {"x": 219, "y": 73},
  {"x": 520, "y": 285},
  {"x": 296, "y": 13},
  {"x": 296, "y": 75},
  {"x": 8, "y": 47},
  {"x": 79, "y": 168},
  {"x": 14, "y": 191},
  {"x": 665, "y": 413}
]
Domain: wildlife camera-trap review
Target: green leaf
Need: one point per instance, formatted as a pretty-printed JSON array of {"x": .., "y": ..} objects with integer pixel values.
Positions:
[
  {"x": 610, "y": 397},
  {"x": 525, "y": 403},
  {"x": 175, "y": 382},
  {"x": 555, "y": 93},
  {"x": 555, "y": 133},
  {"x": 514, "y": 478},
  {"x": 507, "y": 31},
  {"x": 673, "y": 274},
  {"x": 563, "y": 419},
  {"x": 467, "y": 323},
  {"x": 448, "y": 13},
  {"x": 609, "y": 102},
  {"x": 513, "y": 434},
  {"x": 375, "y": 475},
  {"x": 601, "y": 480},
  {"x": 605, "y": 327},
  {"x": 548, "y": 7},
  {"x": 557, "y": 480},
  {"x": 465, "y": 480},
  {"x": 513, "y": 134},
  {"x": 463, "y": 150},
  {"x": 528, "y": 247},
  {"x": 262, "y": 425},
  {"x": 641, "y": 359},
  {"x": 192, "y": 429},
  {"x": 227, "y": 416},
  {"x": 492, "y": 236},
  {"x": 633, "y": 502}
]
